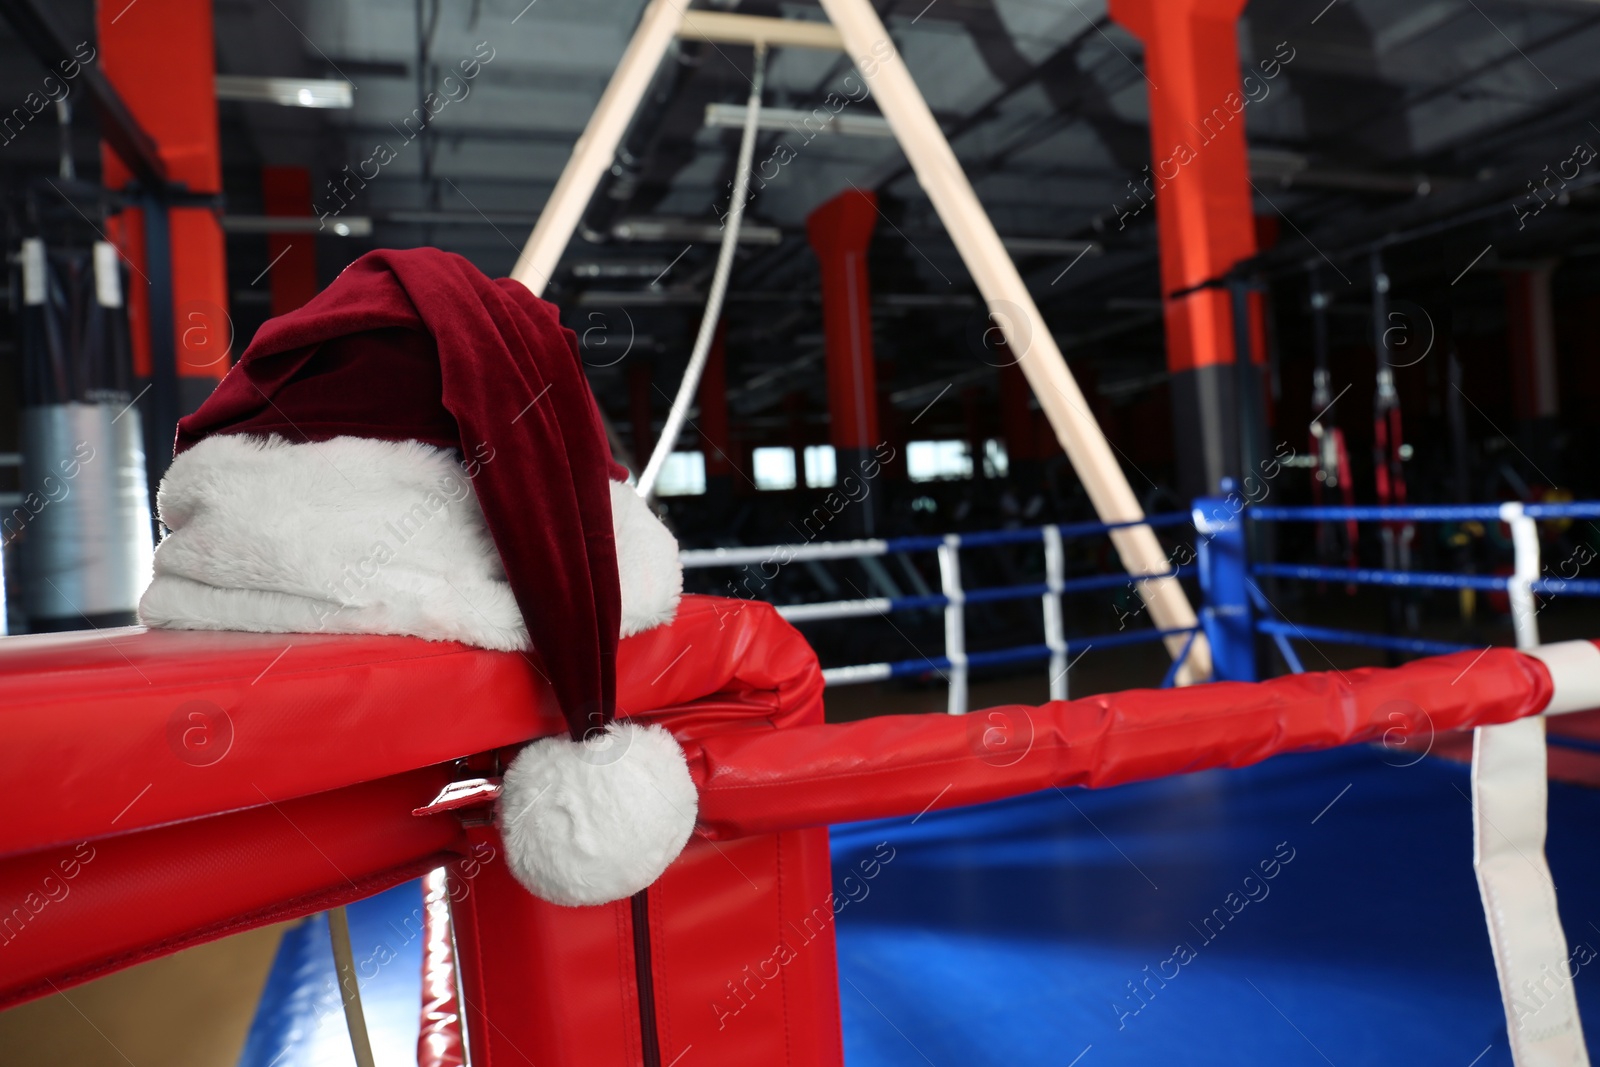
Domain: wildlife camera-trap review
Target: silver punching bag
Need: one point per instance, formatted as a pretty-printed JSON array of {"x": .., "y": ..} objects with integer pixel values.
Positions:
[{"x": 83, "y": 527}]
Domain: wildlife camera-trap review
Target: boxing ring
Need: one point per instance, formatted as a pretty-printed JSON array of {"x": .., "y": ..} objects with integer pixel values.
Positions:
[
  {"x": 184, "y": 785},
  {"x": 956, "y": 662},
  {"x": 204, "y": 783}
]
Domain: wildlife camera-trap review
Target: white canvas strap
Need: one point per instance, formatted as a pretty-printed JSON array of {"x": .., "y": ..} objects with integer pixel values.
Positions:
[
  {"x": 1509, "y": 795},
  {"x": 1574, "y": 668}
]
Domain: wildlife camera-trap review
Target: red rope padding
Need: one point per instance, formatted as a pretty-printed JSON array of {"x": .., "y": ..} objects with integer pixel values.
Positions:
[
  {"x": 759, "y": 782},
  {"x": 439, "y": 1041}
]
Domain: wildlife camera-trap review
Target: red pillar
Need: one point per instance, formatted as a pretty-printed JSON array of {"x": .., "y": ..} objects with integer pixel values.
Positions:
[
  {"x": 1200, "y": 179},
  {"x": 286, "y": 193},
  {"x": 640, "y": 385},
  {"x": 161, "y": 59},
  {"x": 715, "y": 434},
  {"x": 1531, "y": 336},
  {"x": 1017, "y": 426},
  {"x": 840, "y": 231},
  {"x": 972, "y": 412}
]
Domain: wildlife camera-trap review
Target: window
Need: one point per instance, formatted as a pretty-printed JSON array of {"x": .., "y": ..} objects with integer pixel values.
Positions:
[
  {"x": 683, "y": 474},
  {"x": 932, "y": 461},
  {"x": 774, "y": 468},
  {"x": 996, "y": 463},
  {"x": 821, "y": 471}
]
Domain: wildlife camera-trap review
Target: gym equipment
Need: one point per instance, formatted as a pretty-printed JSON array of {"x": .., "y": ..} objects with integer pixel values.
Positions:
[
  {"x": 710, "y": 320},
  {"x": 83, "y": 525},
  {"x": 1330, "y": 457},
  {"x": 956, "y": 662},
  {"x": 1389, "y": 450},
  {"x": 857, "y": 30}
]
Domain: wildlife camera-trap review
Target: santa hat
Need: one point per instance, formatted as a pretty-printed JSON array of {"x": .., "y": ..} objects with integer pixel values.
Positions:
[{"x": 416, "y": 451}]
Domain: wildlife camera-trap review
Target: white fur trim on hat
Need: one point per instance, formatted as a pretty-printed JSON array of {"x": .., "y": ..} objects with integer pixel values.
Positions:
[
  {"x": 595, "y": 821},
  {"x": 647, "y": 562},
  {"x": 355, "y": 535}
]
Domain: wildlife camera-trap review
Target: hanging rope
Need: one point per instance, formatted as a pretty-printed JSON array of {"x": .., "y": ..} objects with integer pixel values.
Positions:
[{"x": 719, "y": 287}]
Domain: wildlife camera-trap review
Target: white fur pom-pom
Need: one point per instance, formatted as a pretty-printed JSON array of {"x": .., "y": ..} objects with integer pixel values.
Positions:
[{"x": 595, "y": 821}]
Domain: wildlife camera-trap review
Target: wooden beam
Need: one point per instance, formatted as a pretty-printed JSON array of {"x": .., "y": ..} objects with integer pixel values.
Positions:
[
  {"x": 726, "y": 27},
  {"x": 597, "y": 147},
  {"x": 867, "y": 42}
]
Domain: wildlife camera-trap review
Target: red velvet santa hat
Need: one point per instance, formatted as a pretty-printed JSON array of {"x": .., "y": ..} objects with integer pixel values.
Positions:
[{"x": 416, "y": 451}]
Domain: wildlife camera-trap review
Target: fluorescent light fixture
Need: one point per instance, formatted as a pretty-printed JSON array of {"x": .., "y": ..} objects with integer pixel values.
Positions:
[
  {"x": 1276, "y": 164},
  {"x": 458, "y": 218},
  {"x": 619, "y": 269},
  {"x": 1292, "y": 168},
  {"x": 339, "y": 226},
  {"x": 633, "y": 298},
  {"x": 290, "y": 92},
  {"x": 1050, "y": 246},
  {"x": 797, "y": 120},
  {"x": 691, "y": 231}
]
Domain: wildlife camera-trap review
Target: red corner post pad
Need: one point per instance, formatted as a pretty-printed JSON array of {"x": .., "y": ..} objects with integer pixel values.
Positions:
[
  {"x": 180, "y": 786},
  {"x": 759, "y": 782}
]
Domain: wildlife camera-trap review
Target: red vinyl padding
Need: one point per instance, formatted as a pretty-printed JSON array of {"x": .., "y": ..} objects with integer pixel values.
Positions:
[
  {"x": 753, "y": 783},
  {"x": 92, "y": 724},
  {"x": 334, "y": 742},
  {"x": 137, "y": 896}
]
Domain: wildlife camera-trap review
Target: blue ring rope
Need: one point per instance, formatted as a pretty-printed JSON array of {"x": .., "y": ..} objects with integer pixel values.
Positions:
[
  {"x": 1372, "y": 576},
  {"x": 986, "y": 538},
  {"x": 1311, "y": 634},
  {"x": 1026, "y": 653},
  {"x": 1418, "y": 512}
]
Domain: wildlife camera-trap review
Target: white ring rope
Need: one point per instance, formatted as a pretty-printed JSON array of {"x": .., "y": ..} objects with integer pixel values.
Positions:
[{"x": 719, "y": 287}]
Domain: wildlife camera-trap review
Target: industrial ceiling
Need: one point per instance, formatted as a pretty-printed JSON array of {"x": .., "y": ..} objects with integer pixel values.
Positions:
[{"x": 1377, "y": 120}]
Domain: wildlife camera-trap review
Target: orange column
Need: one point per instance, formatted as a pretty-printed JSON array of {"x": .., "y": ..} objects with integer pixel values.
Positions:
[
  {"x": 286, "y": 193},
  {"x": 715, "y": 436},
  {"x": 1531, "y": 337},
  {"x": 839, "y": 231},
  {"x": 1200, "y": 178},
  {"x": 640, "y": 384},
  {"x": 159, "y": 56}
]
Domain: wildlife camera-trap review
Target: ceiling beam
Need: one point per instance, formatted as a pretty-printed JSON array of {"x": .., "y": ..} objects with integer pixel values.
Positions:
[
  {"x": 118, "y": 127},
  {"x": 726, "y": 27}
]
